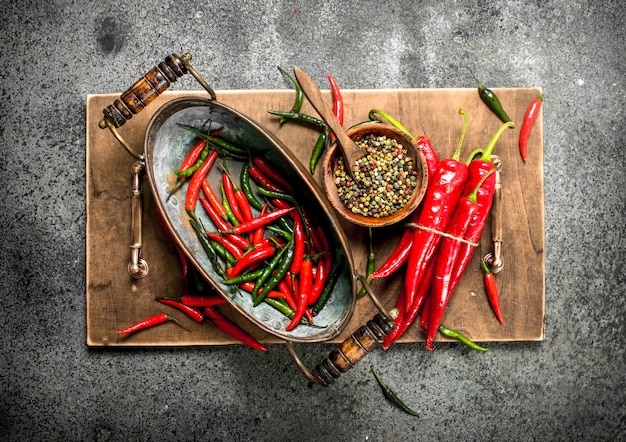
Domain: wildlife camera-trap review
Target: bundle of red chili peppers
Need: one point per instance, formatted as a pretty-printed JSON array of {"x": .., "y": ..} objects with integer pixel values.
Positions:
[{"x": 440, "y": 238}]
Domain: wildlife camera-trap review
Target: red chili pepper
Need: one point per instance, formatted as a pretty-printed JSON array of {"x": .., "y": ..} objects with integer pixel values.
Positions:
[
  {"x": 432, "y": 159},
  {"x": 338, "y": 103},
  {"x": 298, "y": 238},
  {"x": 193, "y": 313},
  {"x": 229, "y": 191},
  {"x": 150, "y": 322},
  {"x": 304, "y": 292},
  {"x": 270, "y": 171},
  {"x": 409, "y": 313},
  {"x": 440, "y": 201},
  {"x": 321, "y": 274},
  {"x": 491, "y": 288},
  {"x": 250, "y": 258},
  {"x": 202, "y": 300},
  {"x": 424, "y": 317},
  {"x": 229, "y": 327},
  {"x": 248, "y": 286},
  {"x": 213, "y": 199},
  {"x": 257, "y": 175},
  {"x": 195, "y": 184},
  {"x": 192, "y": 157},
  {"x": 400, "y": 254},
  {"x": 527, "y": 124},
  {"x": 286, "y": 289},
  {"x": 259, "y": 233},
  {"x": 441, "y": 285},
  {"x": 259, "y": 221},
  {"x": 232, "y": 248}
]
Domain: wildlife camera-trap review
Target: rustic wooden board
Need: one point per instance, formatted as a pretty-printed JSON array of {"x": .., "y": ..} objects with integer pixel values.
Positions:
[{"x": 115, "y": 300}]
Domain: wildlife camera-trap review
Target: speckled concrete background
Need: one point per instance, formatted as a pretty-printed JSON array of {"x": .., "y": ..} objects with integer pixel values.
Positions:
[{"x": 570, "y": 387}]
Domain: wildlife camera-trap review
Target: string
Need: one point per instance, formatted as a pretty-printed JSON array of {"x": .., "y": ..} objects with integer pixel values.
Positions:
[{"x": 438, "y": 232}]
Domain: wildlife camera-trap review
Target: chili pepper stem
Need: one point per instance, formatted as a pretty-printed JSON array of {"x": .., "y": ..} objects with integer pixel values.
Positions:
[
  {"x": 457, "y": 152},
  {"x": 487, "y": 151}
]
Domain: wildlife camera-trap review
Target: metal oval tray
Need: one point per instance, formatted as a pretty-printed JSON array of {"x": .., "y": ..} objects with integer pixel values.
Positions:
[{"x": 166, "y": 144}]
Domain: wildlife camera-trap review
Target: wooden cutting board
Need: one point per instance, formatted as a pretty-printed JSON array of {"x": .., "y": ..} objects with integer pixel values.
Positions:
[{"x": 115, "y": 300}]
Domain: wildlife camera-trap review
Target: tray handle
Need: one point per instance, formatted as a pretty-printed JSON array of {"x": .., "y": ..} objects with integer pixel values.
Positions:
[
  {"x": 136, "y": 98},
  {"x": 354, "y": 348},
  {"x": 494, "y": 259}
]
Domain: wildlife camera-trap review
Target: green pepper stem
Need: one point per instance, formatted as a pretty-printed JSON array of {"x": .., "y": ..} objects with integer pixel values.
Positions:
[
  {"x": 479, "y": 84},
  {"x": 395, "y": 123},
  {"x": 457, "y": 152},
  {"x": 473, "y": 154},
  {"x": 474, "y": 195},
  {"x": 487, "y": 151},
  {"x": 485, "y": 267}
]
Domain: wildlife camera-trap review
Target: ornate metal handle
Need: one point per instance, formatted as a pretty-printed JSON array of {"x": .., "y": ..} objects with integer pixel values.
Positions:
[
  {"x": 137, "y": 267},
  {"x": 494, "y": 260},
  {"x": 135, "y": 99}
]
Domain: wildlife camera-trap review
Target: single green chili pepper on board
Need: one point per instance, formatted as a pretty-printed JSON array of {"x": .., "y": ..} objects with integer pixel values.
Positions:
[
  {"x": 461, "y": 338},
  {"x": 297, "y": 104},
  {"x": 392, "y": 397},
  {"x": 304, "y": 118},
  {"x": 491, "y": 100},
  {"x": 370, "y": 265},
  {"x": 318, "y": 150}
]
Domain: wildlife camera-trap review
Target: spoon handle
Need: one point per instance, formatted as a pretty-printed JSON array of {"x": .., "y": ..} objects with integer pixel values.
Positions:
[{"x": 351, "y": 152}]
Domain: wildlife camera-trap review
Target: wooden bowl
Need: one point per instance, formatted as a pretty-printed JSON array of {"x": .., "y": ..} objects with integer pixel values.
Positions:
[{"x": 419, "y": 163}]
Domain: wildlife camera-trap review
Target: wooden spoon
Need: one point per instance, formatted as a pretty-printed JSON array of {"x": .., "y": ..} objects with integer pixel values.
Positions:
[{"x": 350, "y": 151}]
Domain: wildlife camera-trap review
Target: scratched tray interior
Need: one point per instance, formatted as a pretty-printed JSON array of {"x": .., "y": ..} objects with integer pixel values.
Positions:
[{"x": 115, "y": 300}]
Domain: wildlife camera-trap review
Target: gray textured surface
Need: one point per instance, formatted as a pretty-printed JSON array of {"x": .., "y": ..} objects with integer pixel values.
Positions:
[{"x": 570, "y": 387}]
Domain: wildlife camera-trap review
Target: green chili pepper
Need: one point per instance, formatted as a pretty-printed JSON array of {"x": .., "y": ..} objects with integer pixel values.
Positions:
[
  {"x": 281, "y": 306},
  {"x": 219, "y": 143},
  {"x": 395, "y": 123},
  {"x": 199, "y": 283},
  {"x": 318, "y": 150},
  {"x": 244, "y": 181},
  {"x": 204, "y": 241},
  {"x": 287, "y": 234},
  {"x": 279, "y": 195},
  {"x": 244, "y": 277},
  {"x": 274, "y": 272},
  {"x": 221, "y": 252},
  {"x": 491, "y": 100},
  {"x": 229, "y": 211},
  {"x": 297, "y": 104},
  {"x": 304, "y": 118},
  {"x": 392, "y": 397},
  {"x": 192, "y": 169},
  {"x": 328, "y": 287},
  {"x": 370, "y": 266},
  {"x": 461, "y": 338}
]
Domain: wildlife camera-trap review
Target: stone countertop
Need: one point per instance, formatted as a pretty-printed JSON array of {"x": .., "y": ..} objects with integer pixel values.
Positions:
[{"x": 569, "y": 387}]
